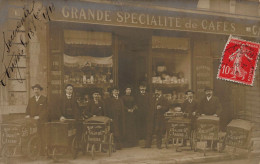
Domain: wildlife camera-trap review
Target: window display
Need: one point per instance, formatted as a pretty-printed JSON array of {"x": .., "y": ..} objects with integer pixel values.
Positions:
[
  {"x": 87, "y": 62},
  {"x": 171, "y": 71}
]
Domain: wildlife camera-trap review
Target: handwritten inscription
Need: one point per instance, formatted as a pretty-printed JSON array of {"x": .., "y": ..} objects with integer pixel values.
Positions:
[{"x": 37, "y": 12}]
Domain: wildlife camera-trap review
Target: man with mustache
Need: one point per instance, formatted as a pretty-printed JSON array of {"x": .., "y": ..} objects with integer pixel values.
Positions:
[
  {"x": 210, "y": 104},
  {"x": 155, "y": 120},
  {"x": 142, "y": 102}
]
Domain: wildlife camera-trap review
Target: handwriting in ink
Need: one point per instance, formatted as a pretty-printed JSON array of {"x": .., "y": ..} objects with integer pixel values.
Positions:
[{"x": 39, "y": 14}]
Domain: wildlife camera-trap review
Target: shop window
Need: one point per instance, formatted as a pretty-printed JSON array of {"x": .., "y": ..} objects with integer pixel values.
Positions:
[
  {"x": 171, "y": 67},
  {"x": 88, "y": 60}
]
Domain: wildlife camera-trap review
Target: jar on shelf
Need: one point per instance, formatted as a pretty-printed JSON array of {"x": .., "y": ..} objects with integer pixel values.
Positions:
[
  {"x": 92, "y": 79},
  {"x": 84, "y": 79}
]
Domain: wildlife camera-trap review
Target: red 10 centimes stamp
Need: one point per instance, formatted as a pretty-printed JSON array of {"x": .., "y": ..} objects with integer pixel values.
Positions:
[{"x": 239, "y": 61}]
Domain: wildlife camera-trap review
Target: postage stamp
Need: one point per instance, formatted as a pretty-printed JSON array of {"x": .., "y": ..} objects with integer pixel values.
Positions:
[{"x": 239, "y": 61}]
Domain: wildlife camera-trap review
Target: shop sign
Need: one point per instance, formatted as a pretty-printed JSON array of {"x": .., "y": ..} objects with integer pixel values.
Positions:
[{"x": 155, "y": 19}]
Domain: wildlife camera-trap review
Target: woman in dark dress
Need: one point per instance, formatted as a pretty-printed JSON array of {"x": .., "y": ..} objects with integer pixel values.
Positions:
[
  {"x": 95, "y": 107},
  {"x": 130, "y": 118}
]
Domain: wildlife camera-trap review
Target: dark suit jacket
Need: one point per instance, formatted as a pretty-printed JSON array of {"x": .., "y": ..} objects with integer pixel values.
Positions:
[
  {"x": 75, "y": 112},
  {"x": 142, "y": 102},
  {"x": 115, "y": 111},
  {"x": 210, "y": 107},
  {"x": 59, "y": 107},
  {"x": 95, "y": 109},
  {"x": 189, "y": 108},
  {"x": 156, "y": 116},
  {"x": 38, "y": 108}
]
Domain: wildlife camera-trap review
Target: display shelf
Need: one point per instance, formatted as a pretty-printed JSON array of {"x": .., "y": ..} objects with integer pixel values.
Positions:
[{"x": 96, "y": 85}]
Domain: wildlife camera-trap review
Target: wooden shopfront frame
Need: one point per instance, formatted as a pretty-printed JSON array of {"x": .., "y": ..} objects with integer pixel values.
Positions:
[
  {"x": 56, "y": 48},
  {"x": 190, "y": 22}
]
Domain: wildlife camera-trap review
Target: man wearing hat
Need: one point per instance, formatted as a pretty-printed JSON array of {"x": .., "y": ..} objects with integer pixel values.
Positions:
[
  {"x": 156, "y": 118},
  {"x": 142, "y": 102},
  {"x": 115, "y": 111},
  {"x": 210, "y": 104},
  {"x": 95, "y": 107},
  {"x": 37, "y": 109},
  {"x": 37, "y": 105}
]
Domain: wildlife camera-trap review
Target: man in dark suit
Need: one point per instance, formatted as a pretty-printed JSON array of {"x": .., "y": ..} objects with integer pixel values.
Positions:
[
  {"x": 190, "y": 105},
  {"x": 37, "y": 109},
  {"x": 69, "y": 107},
  {"x": 142, "y": 102},
  {"x": 210, "y": 104},
  {"x": 159, "y": 105},
  {"x": 115, "y": 111},
  {"x": 95, "y": 107},
  {"x": 37, "y": 105}
]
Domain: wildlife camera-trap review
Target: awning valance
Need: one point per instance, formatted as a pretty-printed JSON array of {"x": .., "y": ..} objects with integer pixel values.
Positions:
[{"x": 84, "y": 61}]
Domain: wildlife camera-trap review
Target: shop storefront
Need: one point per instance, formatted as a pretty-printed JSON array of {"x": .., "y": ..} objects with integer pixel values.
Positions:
[
  {"x": 95, "y": 44},
  {"x": 101, "y": 45}
]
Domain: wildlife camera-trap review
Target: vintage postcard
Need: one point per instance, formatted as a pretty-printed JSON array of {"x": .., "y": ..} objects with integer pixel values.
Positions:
[{"x": 129, "y": 82}]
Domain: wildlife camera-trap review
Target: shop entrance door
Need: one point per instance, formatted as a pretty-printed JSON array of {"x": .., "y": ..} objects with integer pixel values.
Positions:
[{"x": 132, "y": 62}]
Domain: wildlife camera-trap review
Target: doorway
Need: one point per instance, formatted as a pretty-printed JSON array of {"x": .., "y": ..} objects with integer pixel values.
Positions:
[{"x": 132, "y": 60}]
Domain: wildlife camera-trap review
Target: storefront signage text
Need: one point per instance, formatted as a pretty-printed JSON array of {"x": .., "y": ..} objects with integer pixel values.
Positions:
[{"x": 154, "y": 20}]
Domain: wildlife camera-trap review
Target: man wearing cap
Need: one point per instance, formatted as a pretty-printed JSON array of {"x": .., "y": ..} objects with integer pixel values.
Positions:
[
  {"x": 37, "y": 109},
  {"x": 156, "y": 119},
  {"x": 210, "y": 104},
  {"x": 142, "y": 102},
  {"x": 115, "y": 111},
  {"x": 95, "y": 107}
]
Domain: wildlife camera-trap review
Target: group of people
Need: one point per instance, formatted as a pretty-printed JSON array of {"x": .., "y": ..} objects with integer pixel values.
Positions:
[{"x": 134, "y": 118}]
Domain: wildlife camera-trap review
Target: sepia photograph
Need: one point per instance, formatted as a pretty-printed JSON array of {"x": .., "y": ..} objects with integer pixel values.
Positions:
[{"x": 129, "y": 81}]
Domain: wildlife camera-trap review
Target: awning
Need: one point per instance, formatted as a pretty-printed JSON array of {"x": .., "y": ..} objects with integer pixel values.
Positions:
[{"x": 84, "y": 61}]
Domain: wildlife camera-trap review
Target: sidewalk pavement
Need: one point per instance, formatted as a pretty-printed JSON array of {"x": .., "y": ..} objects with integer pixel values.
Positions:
[{"x": 139, "y": 155}]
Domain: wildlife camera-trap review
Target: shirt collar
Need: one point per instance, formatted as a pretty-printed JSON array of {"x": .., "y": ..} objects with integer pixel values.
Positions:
[
  {"x": 37, "y": 97},
  {"x": 208, "y": 98},
  {"x": 69, "y": 96}
]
